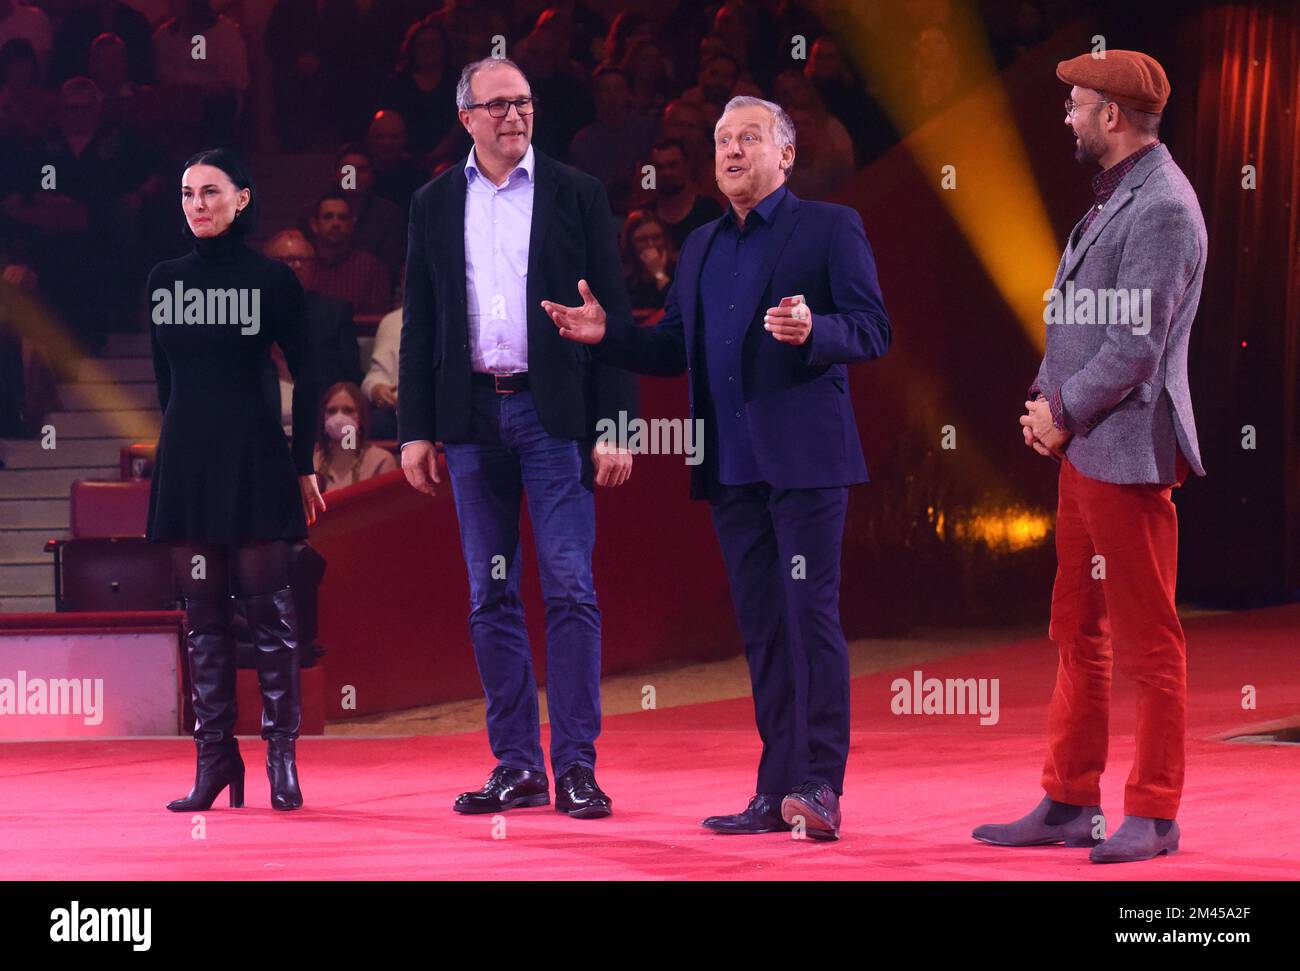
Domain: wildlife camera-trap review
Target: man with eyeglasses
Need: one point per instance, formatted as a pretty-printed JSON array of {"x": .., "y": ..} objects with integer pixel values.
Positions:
[
  {"x": 1112, "y": 404},
  {"x": 516, "y": 406}
]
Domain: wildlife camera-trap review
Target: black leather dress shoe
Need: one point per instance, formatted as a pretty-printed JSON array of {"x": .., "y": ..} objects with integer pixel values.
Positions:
[
  {"x": 819, "y": 807},
  {"x": 577, "y": 794},
  {"x": 762, "y": 815},
  {"x": 506, "y": 788}
]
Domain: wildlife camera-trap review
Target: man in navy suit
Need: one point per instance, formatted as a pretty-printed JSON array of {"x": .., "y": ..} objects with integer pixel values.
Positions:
[{"x": 781, "y": 444}]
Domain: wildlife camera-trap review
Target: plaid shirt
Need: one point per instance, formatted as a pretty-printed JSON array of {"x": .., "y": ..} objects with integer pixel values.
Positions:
[{"x": 1104, "y": 185}]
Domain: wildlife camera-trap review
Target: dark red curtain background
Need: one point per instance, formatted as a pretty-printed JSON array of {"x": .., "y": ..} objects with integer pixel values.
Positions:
[{"x": 1235, "y": 87}]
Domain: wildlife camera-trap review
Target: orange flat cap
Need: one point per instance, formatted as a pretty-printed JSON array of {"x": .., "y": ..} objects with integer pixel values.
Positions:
[{"x": 1130, "y": 78}]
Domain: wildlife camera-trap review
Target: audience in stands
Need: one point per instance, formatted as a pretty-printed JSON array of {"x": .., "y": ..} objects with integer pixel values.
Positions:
[
  {"x": 343, "y": 271},
  {"x": 617, "y": 88},
  {"x": 343, "y": 454},
  {"x": 329, "y": 320},
  {"x": 649, "y": 259}
]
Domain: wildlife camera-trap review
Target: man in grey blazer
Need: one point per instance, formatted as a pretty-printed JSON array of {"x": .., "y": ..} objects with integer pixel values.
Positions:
[{"x": 1111, "y": 403}]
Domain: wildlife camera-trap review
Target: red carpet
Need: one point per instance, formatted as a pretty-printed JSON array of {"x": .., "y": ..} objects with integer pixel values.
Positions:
[{"x": 379, "y": 808}]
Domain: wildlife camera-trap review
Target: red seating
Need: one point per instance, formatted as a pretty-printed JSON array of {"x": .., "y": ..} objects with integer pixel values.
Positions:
[{"x": 107, "y": 507}]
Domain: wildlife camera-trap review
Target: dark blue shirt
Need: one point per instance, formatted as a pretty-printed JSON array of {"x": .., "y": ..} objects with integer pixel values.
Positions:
[{"x": 731, "y": 269}]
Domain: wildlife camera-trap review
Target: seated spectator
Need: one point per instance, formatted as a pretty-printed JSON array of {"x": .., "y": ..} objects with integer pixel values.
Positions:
[
  {"x": 558, "y": 83},
  {"x": 649, "y": 260},
  {"x": 14, "y": 421},
  {"x": 674, "y": 201},
  {"x": 690, "y": 123},
  {"x": 380, "y": 384},
  {"x": 397, "y": 175},
  {"x": 125, "y": 101},
  {"x": 343, "y": 455},
  {"x": 819, "y": 168},
  {"x": 29, "y": 23},
  {"x": 80, "y": 26},
  {"x": 333, "y": 332},
  {"x": 649, "y": 72},
  {"x": 343, "y": 271},
  {"x": 718, "y": 82},
  {"x": 25, "y": 107},
  {"x": 379, "y": 225},
  {"x": 423, "y": 88},
  {"x": 612, "y": 147},
  {"x": 849, "y": 99},
  {"x": 219, "y": 82},
  {"x": 307, "y": 44}
]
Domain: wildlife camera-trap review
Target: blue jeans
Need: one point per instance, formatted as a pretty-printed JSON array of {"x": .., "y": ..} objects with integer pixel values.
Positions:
[{"x": 509, "y": 454}]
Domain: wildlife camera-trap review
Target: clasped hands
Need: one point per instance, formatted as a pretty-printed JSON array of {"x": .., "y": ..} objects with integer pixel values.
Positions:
[{"x": 1041, "y": 434}]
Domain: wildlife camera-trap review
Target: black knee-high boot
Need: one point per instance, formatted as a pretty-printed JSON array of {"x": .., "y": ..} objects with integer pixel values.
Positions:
[
  {"x": 273, "y": 624},
  {"x": 211, "y": 651}
]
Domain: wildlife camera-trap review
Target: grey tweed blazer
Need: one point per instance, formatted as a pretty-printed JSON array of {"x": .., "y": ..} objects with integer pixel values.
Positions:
[{"x": 1119, "y": 317}]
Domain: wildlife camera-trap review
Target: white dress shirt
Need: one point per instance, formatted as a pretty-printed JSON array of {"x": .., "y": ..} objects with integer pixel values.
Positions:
[{"x": 498, "y": 220}]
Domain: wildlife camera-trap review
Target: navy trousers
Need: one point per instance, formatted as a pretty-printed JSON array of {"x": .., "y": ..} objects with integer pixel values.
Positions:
[
  {"x": 510, "y": 454},
  {"x": 782, "y": 550}
]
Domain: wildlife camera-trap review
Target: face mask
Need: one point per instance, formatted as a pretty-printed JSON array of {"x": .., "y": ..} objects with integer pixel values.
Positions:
[{"x": 337, "y": 425}]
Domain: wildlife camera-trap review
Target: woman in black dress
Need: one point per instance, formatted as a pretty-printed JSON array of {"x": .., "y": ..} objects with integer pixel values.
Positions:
[{"x": 227, "y": 494}]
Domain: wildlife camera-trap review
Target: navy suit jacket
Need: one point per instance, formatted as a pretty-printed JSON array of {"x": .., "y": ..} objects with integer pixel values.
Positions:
[{"x": 796, "y": 398}]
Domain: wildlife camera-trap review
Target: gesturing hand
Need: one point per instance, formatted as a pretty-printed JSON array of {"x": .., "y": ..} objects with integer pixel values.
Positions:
[{"x": 584, "y": 324}]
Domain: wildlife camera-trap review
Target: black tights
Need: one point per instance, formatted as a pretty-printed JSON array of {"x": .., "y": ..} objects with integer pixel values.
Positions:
[{"x": 204, "y": 571}]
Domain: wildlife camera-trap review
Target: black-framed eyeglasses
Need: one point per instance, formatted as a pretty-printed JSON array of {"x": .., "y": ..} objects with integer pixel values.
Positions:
[
  {"x": 1071, "y": 104},
  {"x": 500, "y": 107}
]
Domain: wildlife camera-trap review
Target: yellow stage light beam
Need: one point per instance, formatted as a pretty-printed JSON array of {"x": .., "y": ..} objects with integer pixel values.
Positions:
[{"x": 996, "y": 201}]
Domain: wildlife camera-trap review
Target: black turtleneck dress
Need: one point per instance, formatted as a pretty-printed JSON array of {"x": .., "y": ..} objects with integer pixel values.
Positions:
[{"x": 223, "y": 471}]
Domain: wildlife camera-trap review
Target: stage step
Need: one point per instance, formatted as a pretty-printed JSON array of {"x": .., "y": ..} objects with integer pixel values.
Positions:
[
  {"x": 138, "y": 423},
  {"x": 25, "y": 545},
  {"x": 33, "y": 514},
  {"x": 68, "y": 453},
  {"x": 27, "y": 605},
  {"x": 121, "y": 344},
  {"x": 49, "y": 483},
  {"x": 138, "y": 395},
  {"x": 34, "y": 578},
  {"x": 115, "y": 369}
]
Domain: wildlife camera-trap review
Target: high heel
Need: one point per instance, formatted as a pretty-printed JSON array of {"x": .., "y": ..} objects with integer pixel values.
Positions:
[
  {"x": 282, "y": 772},
  {"x": 273, "y": 625},
  {"x": 237, "y": 790},
  {"x": 211, "y": 653},
  {"x": 219, "y": 766}
]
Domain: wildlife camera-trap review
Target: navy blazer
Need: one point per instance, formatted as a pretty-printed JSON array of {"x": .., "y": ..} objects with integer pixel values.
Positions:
[
  {"x": 572, "y": 237},
  {"x": 796, "y": 398}
]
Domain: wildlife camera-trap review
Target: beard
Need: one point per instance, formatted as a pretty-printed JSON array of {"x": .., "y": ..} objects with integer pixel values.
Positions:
[{"x": 1091, "y": 147}]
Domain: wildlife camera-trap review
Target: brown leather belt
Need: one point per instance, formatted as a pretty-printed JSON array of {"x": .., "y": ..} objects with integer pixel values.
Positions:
[{"x": 502, "y": 383}]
